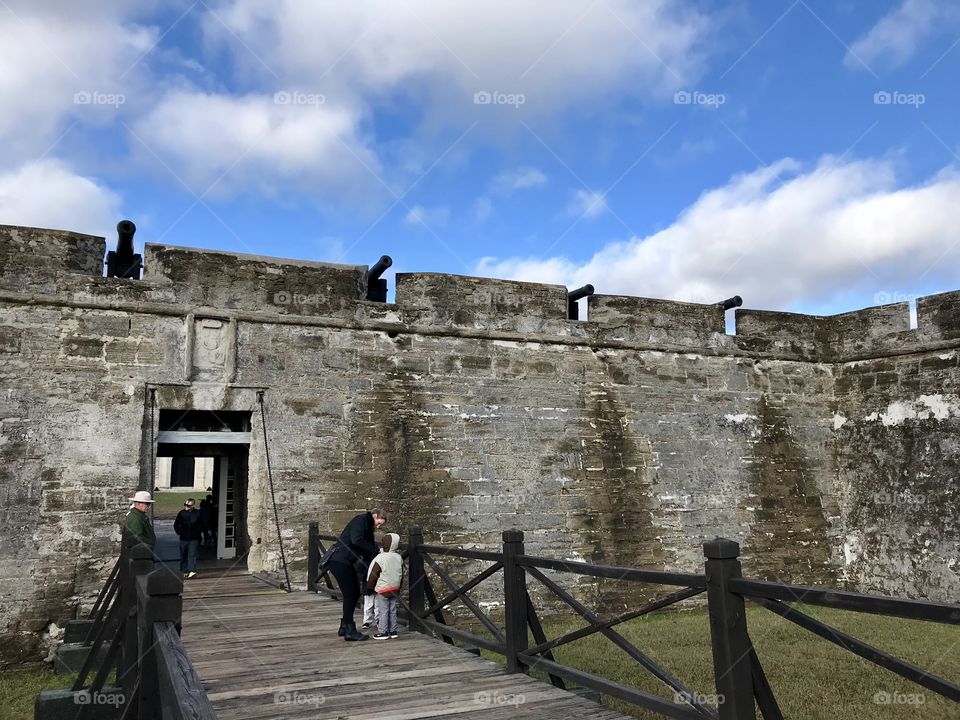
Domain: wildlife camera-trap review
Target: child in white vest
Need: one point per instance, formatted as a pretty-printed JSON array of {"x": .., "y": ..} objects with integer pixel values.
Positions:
[{"x": 386, "y": 576}]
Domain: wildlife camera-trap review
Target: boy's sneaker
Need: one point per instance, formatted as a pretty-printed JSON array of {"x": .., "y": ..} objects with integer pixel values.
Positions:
[
  {"x": 366, "y": 626},
  {"x": 190, "y": 574},
  {"x": 394, "y": 635},
  {"x": 381, "y": 636}
]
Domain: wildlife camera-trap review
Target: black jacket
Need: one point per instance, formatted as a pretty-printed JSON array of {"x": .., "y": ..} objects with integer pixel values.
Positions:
[
  {"x": 356, "y": 544},
  {"x": 187, "y": 525}
]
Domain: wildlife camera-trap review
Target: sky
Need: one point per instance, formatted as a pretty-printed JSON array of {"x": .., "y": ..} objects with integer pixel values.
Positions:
[{"x": 804, "y": 154}]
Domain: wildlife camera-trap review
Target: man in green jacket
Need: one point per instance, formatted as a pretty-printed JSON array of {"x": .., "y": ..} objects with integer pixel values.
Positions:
[{"x": 138, "y": 522}]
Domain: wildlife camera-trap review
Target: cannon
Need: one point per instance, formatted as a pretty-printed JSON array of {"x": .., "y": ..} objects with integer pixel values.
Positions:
[
  {"x": 376, "y": 285},
  {"x": 730, "y": 303},
  {"x": 124, "y": 262},
  {"x": 573, "y": 310}
]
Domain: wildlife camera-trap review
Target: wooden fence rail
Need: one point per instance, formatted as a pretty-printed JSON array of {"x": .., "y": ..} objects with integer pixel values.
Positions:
[
  {"x": 740, "y": 684},
  {"x": 133, "y": 637}
]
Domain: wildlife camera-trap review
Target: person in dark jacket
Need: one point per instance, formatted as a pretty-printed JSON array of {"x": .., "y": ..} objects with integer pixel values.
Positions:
[
  {"x": 138, "y": 522},
  {"x": 188, "y": 527},
  {"x": 355, "y": 549}
]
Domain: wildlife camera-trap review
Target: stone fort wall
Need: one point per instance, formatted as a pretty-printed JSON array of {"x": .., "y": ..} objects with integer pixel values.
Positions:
[{"x": 825, "y": 445}]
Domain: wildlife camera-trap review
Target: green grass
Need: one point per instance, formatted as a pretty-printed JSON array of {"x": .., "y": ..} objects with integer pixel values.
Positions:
[
  {"x": 19, "y": 690},
  {"x": 169, "y": 502},
  {"x": 811, "y": 678}
]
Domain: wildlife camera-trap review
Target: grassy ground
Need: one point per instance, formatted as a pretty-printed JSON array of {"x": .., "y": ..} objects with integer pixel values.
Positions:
[
  {"x": 19, "y": 689},
  {"x": 811, "y": 678},
  {"x": 169, "y": 502}
]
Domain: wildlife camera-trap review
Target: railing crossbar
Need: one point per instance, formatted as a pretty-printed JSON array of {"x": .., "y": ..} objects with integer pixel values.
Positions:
[
  {"x": 762, "y": 692},
  {"x": 617, "y": 690},
  {"x": 462, "y": 553},
  {"x": 477, "y": 640},
  {"x": 842, "y": 600},
  {"x": 474, "y": 608},
  {"x": 178, "y": 678},
  {"x": 437, "y": 612},
  {"x": 540, "y": 636},
  {"x": 112, "y": 592},
  {"x": 466, "y": 587},
  {"x": 583, "y": 632},
  {"x": 113, "y": 617},
  {"x": 615, "y": 572},
  {"x": 625, "y": 645},
  {"x": 105, "y": 589},
  {"x": 109, "y": 663},
  {"x": 858, "y": 647}
]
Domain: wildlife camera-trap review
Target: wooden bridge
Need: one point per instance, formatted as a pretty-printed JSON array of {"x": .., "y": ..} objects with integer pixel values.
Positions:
[
  {"x": 228, "y": 645},
  {"x": 264, "y": 653}
]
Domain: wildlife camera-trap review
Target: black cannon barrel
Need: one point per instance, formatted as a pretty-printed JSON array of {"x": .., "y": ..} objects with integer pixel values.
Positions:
[
  {"x": 379, "y": 267},
  {"x": 124, "y": 262},
  {"x": 376, "y": 285},
  {"x": 580, "y": 293},
  {"x": 573, "y": 310},
  {"x": 734, "y": 302},
  {"x": 125, "y": 232}
]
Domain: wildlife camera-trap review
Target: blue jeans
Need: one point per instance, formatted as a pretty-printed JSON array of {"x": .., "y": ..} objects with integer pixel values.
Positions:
[
  {"x": 188, "y": 555},
  {"x": 386, "y": 614}
]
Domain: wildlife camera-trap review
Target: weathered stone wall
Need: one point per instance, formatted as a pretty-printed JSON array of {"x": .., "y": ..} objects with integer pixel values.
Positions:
[
  {"x": 898, "y": 435},
  {"x": 468, "y": 406}
]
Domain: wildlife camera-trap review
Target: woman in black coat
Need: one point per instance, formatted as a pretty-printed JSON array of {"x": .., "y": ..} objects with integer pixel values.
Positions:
[{"x": 355, "y": 549}]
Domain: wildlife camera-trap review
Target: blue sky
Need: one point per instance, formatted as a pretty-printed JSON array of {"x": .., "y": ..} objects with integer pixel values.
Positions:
[{"x": 803, "y": 154}]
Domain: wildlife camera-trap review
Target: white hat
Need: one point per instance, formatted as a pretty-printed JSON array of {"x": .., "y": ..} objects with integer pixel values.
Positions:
[{"x": 141, "y": 496}]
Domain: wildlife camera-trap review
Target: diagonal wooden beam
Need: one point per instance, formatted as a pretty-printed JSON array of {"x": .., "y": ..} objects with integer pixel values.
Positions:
[
  {"x": 628, "y": 647},
  {"x": 616, "y": 620},
  {"x": 466, "y": 587},
  {"x": 474, "y": 608},
  {"x": 762, "y": 691},
  {"x": 858, "y": 647}
]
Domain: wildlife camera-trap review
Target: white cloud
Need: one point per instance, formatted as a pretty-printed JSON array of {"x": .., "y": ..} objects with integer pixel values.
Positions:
[
  {"x": 48, "y": 194},
  {"x": 224, "y": 142},
  {"x": 522, "y": 178},
  {"x": 562, "y": 55},
  {"x": 432, "y": 217},
  {"x": 779, "y": 236},
  {"x": 55, "y": 53},
  {"x": 589, "y": 204},
  {"x": 898, "y": 35},
  {"x": 482, "y": 208}
]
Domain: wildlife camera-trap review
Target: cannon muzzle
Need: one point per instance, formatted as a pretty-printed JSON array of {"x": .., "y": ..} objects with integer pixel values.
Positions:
[
  {"x": 376, "y": 285},
  {"x": 123, "y": 262},
  {"x": 379, "y": 267},
  {"x": 573, "y": 310},
  {"x": 125, "y": 232},
  {"x": 734, "y": 302}
]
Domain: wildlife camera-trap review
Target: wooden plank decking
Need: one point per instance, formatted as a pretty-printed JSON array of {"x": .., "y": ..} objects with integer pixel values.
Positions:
[{"x": 263, "y": 653}]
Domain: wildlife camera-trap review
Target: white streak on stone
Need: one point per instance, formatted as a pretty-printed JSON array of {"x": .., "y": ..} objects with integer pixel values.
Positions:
[{"x": 925, "y": 407}]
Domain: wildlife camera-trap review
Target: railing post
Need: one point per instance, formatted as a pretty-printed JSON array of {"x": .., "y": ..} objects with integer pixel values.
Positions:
[
  {"x": 138, "y": 561},
  {"x": 728, "y": 632},
  {"x": 313, "y": 556},
  {"x": 515, "y": 600},
  {"x": 417, "y": 580},
  {"x": 158, "y": 600}
]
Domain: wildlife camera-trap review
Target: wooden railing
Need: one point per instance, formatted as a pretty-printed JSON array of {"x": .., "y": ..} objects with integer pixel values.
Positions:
[
  {"x": 133, "y": 636},
  {"x": 740, "y": 683}
]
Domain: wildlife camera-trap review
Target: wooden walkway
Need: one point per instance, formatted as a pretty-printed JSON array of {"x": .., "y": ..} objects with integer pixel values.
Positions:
[{"x": 263, "y": 653}]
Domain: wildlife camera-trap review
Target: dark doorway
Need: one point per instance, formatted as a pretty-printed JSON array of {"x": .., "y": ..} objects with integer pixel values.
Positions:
[{"x": 185, "y": 436}]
